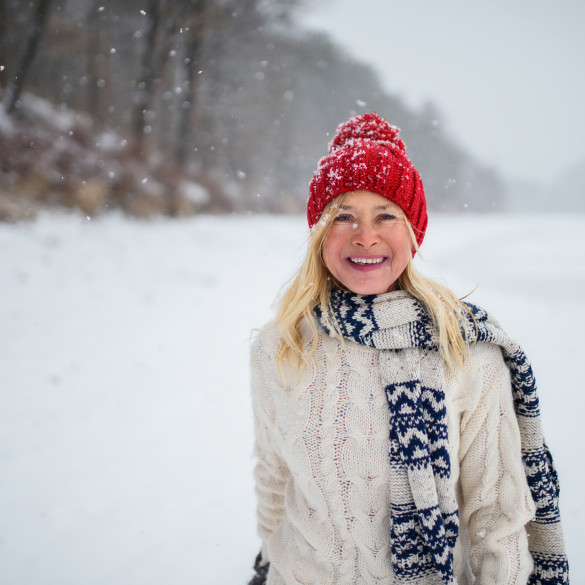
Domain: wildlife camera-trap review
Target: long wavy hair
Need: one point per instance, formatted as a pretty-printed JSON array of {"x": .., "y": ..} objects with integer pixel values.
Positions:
[{"x": 313, "y": 283}]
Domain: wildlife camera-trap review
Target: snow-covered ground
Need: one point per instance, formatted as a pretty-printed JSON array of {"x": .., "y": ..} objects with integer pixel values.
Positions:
[{"x": 125, "y": 426}]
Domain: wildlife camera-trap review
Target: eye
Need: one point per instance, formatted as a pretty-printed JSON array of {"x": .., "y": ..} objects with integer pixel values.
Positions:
[
  {"x": 387, "y": 217},
  {"x": 343, "y": 218}
]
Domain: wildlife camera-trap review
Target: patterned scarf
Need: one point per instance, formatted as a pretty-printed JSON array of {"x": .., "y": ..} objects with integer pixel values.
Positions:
[{"x": 424, "y": 514}]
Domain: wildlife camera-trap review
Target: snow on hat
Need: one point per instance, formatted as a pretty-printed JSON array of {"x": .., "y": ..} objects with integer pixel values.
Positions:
[{"x": 366, "y": 154}]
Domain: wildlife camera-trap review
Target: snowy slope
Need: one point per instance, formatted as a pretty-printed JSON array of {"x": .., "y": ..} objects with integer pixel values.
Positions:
[{"x": 125, "y": 427}]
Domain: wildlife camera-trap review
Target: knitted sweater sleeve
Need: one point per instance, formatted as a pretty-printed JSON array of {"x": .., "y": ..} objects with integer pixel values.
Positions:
[
  {"x": 496, "y": 498},
  {"x": 270, "y": 471}
]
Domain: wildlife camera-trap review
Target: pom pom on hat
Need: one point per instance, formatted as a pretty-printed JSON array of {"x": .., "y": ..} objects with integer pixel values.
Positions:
[
  {"x": 366, "y": 154},
  {"x": 366, "y": 127}
]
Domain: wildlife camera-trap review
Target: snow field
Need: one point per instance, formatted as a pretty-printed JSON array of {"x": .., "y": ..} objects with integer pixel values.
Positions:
[{"x": 125, "y": 424}]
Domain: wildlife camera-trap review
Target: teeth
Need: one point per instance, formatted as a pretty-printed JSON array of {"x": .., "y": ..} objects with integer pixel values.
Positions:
[{"x": 367, "y": 260}]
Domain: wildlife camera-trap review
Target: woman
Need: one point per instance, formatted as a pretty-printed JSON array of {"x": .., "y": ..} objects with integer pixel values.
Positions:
[{"x": 397, "y": 428}]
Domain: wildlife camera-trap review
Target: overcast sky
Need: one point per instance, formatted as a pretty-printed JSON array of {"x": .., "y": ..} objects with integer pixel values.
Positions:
[{"x": 508, "y": 76}]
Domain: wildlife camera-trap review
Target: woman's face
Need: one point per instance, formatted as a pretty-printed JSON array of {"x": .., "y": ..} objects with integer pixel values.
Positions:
[{"x": 369, "y": 245}]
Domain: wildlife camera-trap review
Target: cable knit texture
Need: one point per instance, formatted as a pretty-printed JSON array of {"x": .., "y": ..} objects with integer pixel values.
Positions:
[{"x": 335, "y": 507}]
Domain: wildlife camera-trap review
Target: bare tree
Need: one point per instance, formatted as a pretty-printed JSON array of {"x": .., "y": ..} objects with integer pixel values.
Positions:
[
  {"x": 93, "y": 57},
  {"x": 199, "y": 17},
  {"x": 29, "y": 49},
  {"x": 143, "y": 94},
  {"x": 3, "y": 43}
]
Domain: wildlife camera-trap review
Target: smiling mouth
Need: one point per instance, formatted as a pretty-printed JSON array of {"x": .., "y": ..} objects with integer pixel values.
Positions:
[{"x": 365, "y": 261}]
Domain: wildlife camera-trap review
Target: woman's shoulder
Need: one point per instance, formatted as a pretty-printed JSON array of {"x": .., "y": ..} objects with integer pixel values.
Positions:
[
  {"x": 483, "y": 334},
  {"x": 269, "y": 336},
  {"x": 482, "y": 354},
  {"x": 266, "y": 339},
  {"x": 483, "y": 329},
  {"x": 484, "y": 362},
  {"x": 263, "y": 367},
  {"x": 481, "y": 318}
]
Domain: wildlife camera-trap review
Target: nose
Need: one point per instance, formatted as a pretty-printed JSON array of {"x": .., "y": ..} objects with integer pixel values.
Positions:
[{"x": 365, "y": 235}]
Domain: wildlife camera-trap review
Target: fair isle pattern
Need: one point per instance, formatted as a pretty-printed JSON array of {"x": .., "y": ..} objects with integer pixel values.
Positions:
[
  {"x": 418, "y": 438},
  {"x": 550, "y": 567},
  {"x": 357, "y": 321},
  {"x": 424, "y": 530}
]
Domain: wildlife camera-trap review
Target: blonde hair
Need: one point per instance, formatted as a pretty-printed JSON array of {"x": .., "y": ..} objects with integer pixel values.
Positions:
[{"x": 312, "y": 286}]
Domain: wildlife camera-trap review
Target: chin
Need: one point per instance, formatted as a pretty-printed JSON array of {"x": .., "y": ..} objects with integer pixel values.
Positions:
[{"x": 372, "y": 290}]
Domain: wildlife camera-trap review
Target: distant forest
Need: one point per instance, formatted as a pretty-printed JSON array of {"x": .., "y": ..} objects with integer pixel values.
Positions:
[{"x": 177, "y": 107}]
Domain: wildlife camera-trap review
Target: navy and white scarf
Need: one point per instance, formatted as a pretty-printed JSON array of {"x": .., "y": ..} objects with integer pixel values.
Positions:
[{"x": 424, "y": 514}]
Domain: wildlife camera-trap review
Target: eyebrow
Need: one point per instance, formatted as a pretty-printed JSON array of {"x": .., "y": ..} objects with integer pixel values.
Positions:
[{"x": 351, "y": 207}]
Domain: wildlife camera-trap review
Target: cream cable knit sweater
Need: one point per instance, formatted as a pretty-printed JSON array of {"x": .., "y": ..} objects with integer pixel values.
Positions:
[{"x": 322, "y": 476}]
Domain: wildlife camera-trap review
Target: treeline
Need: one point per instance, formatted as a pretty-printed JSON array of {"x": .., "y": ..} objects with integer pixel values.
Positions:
[{"x": 144, "y": 100}]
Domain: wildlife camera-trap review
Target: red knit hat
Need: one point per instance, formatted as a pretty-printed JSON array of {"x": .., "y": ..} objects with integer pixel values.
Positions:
[{"x": 366, "y": 154}]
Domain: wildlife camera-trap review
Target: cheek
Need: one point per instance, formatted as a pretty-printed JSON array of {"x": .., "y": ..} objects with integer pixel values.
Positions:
[
  {"x": 328, "y": 260},
  {"x": 331, "y": 249},
  {"x": 402, "y": 246}
]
